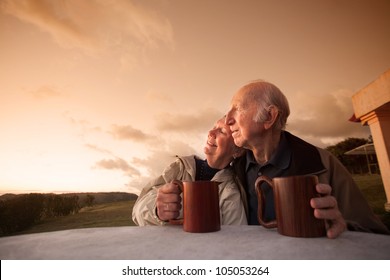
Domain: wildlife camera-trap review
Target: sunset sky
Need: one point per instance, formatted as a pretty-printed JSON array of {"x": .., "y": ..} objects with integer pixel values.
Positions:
[{"x": 100, "y": 95}]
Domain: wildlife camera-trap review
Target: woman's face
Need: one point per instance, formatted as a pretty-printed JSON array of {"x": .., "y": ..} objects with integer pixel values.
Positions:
[{"x": 220, "y": 146}]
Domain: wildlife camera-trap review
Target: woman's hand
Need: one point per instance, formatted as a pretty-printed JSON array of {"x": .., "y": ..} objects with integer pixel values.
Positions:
[{"x": 168, "y": 201}]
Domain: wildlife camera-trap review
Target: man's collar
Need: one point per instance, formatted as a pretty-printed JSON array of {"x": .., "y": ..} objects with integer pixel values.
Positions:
[
  {"x": 250, "y": 160},
  {"x": 280, "y": 159}
]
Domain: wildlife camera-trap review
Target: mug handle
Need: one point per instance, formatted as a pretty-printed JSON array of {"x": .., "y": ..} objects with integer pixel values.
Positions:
[
  {"x": 261, "y": 202},
  {"x": 180, "y": 185}
]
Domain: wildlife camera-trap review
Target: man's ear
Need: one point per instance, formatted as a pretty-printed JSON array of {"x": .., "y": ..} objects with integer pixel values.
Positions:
[{"x": 273, "y": 114}]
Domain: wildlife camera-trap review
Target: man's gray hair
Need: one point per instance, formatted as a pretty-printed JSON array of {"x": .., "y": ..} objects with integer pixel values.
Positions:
[{"x": 266, "y": 95}]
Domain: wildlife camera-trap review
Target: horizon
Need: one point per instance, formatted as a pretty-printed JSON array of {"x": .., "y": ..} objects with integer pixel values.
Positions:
[{"x": 17, "y": 192}]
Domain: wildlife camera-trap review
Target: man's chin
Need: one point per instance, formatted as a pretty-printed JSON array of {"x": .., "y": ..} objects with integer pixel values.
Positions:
[{"x": 238, "y": 142}]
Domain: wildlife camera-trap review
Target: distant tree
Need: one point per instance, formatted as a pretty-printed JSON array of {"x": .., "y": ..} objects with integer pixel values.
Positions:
[
  {"x": 346, "y": 145},
  {"x": 70, "y": 205},
  {"x": 24, "y": 211},
  {"x": 89, "y": 199},
  {"x": 61, "y": 205},
  {"x": 353, "y": 163},
  {"x": 20, "y": 212}
]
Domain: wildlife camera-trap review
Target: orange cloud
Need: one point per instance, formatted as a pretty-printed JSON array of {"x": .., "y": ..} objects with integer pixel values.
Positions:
[
  {"x": 46, "y": 91},
  {"x": 127, "y": 132},
  {"x": 323, "y": 120},
  {"x": 119, "y": 164},
  {"x": 201, "y": 122},
  {"x": 121, "y": 27}
]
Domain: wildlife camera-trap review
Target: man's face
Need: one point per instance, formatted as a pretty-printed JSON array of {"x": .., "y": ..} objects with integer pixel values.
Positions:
[{"x": 240, "y": 118}]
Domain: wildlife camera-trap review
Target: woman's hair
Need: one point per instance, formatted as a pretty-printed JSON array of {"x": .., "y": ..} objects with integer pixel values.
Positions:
[{"x": 267, "y": 95}]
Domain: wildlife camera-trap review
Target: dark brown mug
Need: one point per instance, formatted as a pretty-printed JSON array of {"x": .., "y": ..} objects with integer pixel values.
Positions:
[
  {"x": 200, "y": 206},
  {"x": 294, "y": 214}
]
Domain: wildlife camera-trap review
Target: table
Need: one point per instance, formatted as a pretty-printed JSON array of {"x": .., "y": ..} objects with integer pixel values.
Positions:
[{"x": 171, "y": 242}]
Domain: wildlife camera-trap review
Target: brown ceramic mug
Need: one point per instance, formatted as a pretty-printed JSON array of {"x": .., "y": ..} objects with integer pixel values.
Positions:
[
  {"x": 200, "y": 206},
  {"x": 294, "y": 214}
]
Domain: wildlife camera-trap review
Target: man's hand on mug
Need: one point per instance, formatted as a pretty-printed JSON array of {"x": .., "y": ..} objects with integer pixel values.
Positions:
[
  {"x": 168, "y": 201},
  {"x": 325, "y": 207}
]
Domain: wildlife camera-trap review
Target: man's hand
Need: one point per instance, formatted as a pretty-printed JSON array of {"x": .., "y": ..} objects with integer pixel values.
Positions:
[
  {"x": 325, "y": 207},
  {"x": 168, "y": 201}
]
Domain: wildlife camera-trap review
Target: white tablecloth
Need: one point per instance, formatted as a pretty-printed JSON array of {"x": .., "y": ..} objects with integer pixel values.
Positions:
[{"x": 171, "y": 242}]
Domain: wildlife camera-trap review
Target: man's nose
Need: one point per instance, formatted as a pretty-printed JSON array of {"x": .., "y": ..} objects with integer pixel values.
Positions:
[{"x": 229, "y": 120}]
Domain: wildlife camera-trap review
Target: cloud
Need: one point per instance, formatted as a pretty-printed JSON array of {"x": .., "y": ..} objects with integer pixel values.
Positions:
[
  {"x": 95, "y": 26},
  {"x": 191, "y": 127},
  {"x": 162, "y": 156},
  {"x": 162, "y": 149},
  {"x": 127, "y": 132},
  {"x": 323, "y": 119},
  {"x": 45, "y": 91},
  {"x": 58, "y": 18},
  {"x": 147, "y": 168},
  {"x": 200, "y": 122},
  {"x": 98, "y": 149},
  {"x": 157, "y": 97},
  {"x": 154, "y": 164},
  {"x": 114, "y": 164},
  {"x": 84, "y": 127},
  {"x": 118, "y": 164}
]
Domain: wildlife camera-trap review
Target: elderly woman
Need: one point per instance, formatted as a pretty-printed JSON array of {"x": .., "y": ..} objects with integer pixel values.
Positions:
[{"x": 160, "y": 199}]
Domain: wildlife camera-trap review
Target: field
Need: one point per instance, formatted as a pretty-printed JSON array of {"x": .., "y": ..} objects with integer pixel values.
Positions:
[
  {"x": 119, "y": 213},
  {"x": 101, "y": 215},
  {"x": 372, "y": 188}
]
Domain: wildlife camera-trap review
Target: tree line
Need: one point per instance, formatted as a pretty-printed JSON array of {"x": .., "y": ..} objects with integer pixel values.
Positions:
[
  {"x": 356, "y": 164},
  {"x": 23, "y": 211}
]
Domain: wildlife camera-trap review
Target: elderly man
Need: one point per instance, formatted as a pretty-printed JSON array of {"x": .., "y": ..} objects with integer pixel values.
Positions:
[{"x": 257, "y": 119}]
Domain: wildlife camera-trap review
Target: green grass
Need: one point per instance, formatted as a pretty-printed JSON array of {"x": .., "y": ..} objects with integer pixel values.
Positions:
[
  {"x": 111, "y": 214},
  {"x": 119, "y": 213},
  {"x": 373, "y": 190}
]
